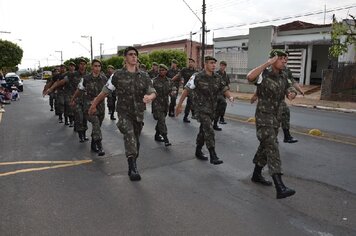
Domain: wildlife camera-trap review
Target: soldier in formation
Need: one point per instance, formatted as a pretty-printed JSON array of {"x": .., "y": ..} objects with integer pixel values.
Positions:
[
  {"x": 171, "y": 73},
  {"x": 164, "y": 87},
  {"x": 272, "y": 87},
  {"x": 221, "y": 106},
  {"x": 206, "y": 85},
  {"x": 133, "y": 89}
]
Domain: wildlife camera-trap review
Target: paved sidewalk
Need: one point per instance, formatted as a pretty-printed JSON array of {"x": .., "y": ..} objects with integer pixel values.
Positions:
[{"x": 312, "y": 101}]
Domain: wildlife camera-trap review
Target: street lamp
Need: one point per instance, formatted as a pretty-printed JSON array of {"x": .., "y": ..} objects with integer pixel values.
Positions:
[
  {"x": 91, "y": 45},
  {"x": 191, "y": 42},
  {"x": 61, "y": 52}
]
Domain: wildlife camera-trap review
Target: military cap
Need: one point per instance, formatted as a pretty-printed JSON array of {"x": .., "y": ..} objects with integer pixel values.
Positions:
[
  {"x": 129, "y": 49},
  {"x": 82, "y": 59},
  {"x": 72, "y": 63},
  {"x": 174, "y": 61},
  {"x": 209, "y": 58},
  {"x": 191, "y": 59},
  {"x": 96, "y": 60},
  {"x": 110, "y": 66},
  {"x": 142, "y": 66},
  {"x": 163, "y": 66},
  {"x": 277, "y": 52},
  {"x": 62, "y": 65},
  {"x": 223, "y": 63},
  {"x": 155, "y": 64}
]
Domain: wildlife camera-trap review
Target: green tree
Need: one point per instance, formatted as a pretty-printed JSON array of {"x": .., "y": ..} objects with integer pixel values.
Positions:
[
  {"x": 343, "y": 34},
  {"x": 10, "y": 54},
  {"x": 166, "y": 56},
  {"x": 115, "y": 61}
]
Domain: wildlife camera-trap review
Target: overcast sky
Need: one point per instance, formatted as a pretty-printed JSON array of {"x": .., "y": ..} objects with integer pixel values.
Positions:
[{"x": 42, "y": 27}]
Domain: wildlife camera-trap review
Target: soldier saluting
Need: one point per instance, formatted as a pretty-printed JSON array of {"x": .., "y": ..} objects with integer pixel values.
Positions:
[{"x": 272, "y": 87}]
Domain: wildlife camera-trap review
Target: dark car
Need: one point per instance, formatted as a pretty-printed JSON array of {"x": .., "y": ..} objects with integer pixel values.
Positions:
[{"x": 13, "y": 79}]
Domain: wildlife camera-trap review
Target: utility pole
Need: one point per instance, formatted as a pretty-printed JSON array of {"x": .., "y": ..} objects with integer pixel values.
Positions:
[
  {"x": 191, "y": 42},
  {"x": 203, "y": 36},
  {"x": 61, "y": 52},
  {"x": 91, "y": 48},
  {"x": 101, "y": 54}
]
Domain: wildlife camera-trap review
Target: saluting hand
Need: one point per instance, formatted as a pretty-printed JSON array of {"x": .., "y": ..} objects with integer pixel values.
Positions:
[{"x": 272, "y": 60}]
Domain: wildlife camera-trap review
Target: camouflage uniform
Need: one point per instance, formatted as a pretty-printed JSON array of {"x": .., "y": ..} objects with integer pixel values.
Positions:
[
  {"x": 90, "y": 87},
  {"x": 222, "y": 104},
  {"x": 186, "y": 73},
  {"x": 153, "y": 74},
  {"x": 284, "y": 112},
  {"x": 170, "y": 74},
  {"x": 271, "y": 91},
  {"x": 130, "y": 89},
  {"x": 163, "y": 87},
  {"x": 206, "y": 88},
  {"x": 80, "y": 120},
  {"x": 69, "y": 88}
]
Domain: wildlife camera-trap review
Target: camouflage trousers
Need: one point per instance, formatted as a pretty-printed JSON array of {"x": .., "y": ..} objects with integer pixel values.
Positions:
[
  {"x": 111, "y": 101},
  {"x": 131, "y": 129},
  {"x": 206, "y": 133},
  {"x": 68, "y": 110},
  {"x": 96, "y": 121},
  {"x": 173, "y": 103},
  {"x": 160, "y": 117},
  {"x": 51, "y": 99},
  {"x": 59, "y": 103},
  {"x": 220, "y": 107},
  {"x": 80, "y": 119},
  {"x": 268, "y": 152},
  {"x": 284, "y": 115}
]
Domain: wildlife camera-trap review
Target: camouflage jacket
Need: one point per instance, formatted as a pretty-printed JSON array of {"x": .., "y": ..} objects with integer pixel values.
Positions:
[
  {"x": 206, "y": 89},
  {"x": 91, "y": 87},
  {"x": 186, "y": 73},
  {"x": 153, "y": 74},
  {"x": 130, "y": 89},
  {"x": 271, "y": 91},
  {"x": 171, "y": 73},
  {"x": 163, "y": 87},
  {"x": 72, "y": 81},
  {"x": 224, "y": 77}
]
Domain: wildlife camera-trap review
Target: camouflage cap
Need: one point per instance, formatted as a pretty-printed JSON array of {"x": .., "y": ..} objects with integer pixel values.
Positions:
[
  {"x": 174, "y": 61},
  {"x": 82, "y": 59},
  {"x": 209, "y": 58},
  {"x": 163, "y": 66},
  {"x": 129, "y": 49},
  {"x": 72, "y": 63},
  {"x": 111, "y": 67},
  {"x": 223, "y": 63},
  {"x": 277, "y": 52},
  {"x": 96, "y": 60},
  {"x": 155, "y": 64}
]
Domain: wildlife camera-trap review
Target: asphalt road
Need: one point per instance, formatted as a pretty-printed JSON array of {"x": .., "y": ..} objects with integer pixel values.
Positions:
[{"x": 178, "y": 195}]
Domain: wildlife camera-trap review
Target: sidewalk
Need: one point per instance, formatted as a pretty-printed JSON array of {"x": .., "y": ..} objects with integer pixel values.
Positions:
[{"x": 311, "y": 101}]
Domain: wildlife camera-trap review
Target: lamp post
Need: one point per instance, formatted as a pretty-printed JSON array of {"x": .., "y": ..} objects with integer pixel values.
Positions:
[
  {"x": 191, "y": 42},
  {"x": 91, "y": 45},
  {"x": 101, "y": 54},
  {"x": 61, "y": 52}
]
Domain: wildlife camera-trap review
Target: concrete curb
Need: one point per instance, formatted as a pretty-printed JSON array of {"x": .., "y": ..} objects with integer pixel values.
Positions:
[{"x": 326, "y": 108}]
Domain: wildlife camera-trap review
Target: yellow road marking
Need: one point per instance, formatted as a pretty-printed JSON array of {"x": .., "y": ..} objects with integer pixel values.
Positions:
[{"x": 66, "y": 164}]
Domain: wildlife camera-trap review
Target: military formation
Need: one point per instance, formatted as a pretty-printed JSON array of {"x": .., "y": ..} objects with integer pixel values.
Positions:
[{"x": 79, "y": 97}]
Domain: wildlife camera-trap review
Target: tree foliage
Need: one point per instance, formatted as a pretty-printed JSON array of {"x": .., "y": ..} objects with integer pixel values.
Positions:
[
  {"x": 10, "y": 54},
  {"x": 166, "y": 56},
  {"x": 343, "y": 34}
]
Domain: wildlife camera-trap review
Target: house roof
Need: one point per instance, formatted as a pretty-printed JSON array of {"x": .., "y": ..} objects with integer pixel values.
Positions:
[{"x": 299, "y": 25}]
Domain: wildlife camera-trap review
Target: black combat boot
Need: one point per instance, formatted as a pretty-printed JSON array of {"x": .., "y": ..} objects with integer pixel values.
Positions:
[
  {"x": 222, "y": 120},
  {"x": 166, "y": 141},
  {"x": 51, "y": 108},
  {"x": 100, "y": 148},
  {"x": 199, "y": 154},
  {"x": 94, "y": 146},
  {"x": 258, "y": 178},
  {"x": 81, "y": 136},
  {"x": 60, "y": 118},
  {"x": 158, "y": 137},
  {"x": 288, "y": 138},
  {"x": 185, "y": 119},
  {"x": 215, "y": 126},
  {"x": 133, "y": 172},
  {"x": 214, "y": 159},
  {"x": 112, "y": 116},
  {"x": 282, "y": 190},
  {"x": 66, "y": 120}
]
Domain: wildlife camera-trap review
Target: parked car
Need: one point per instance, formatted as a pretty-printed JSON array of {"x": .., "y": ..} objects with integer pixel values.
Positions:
[{"x": 13, "y": 79}]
